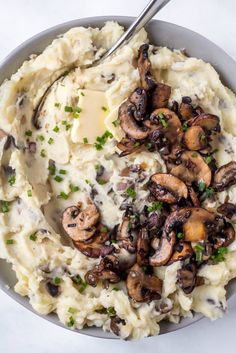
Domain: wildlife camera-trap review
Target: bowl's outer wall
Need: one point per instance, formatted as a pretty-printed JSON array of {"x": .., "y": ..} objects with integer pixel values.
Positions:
[{"x": 161, "y": 34}]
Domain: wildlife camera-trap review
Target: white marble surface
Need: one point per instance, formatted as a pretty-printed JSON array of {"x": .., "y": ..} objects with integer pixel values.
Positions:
[{"x": 20, "y": 330}]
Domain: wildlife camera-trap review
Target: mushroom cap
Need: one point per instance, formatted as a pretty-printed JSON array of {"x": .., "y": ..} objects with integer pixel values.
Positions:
[
  {"x": 174, "y": 127},
  {"x": 225, "y": 176},
  {"x": 167, "y": 188},
  {"x": 196, "y": 226},
  {"x": 187, "y": 278},
  {"x": 128, "y": 122},
  {"x": 79, "y": 225},
  {"x": 183, "y": 254},
  {"x": 193, "y": 168},
  {"x": 124, "y": 236},
  {"x": 186, "y": 110},
  {"x": 208, "y": 122},
  {"x": 127, "y": 146},
  {"x": 139, "y": 99},
  {"x": 143, "y": 247},
  {"x": 160, "y": 96},
  {"x": 194, "y": 138},
  {"x": 164, "y": 250},
  {"x": 106, "y": 271},
  {"x": 227, "y": 209},
  {"x": 143, "y": 287},
  {"x": 229, "y": 234},
  {"x": 144, "y": 67}
]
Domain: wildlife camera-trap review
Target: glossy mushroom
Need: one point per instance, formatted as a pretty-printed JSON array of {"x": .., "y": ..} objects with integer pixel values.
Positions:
[
  {"x": 125, "y": 235},
  {"x": 209, "y": 122},
  {"x": 144, "y": 67},
  {"x": 106, "y": 271},
  {"x": 139, "y": 99},
  {"x": 227, "y": 209},
  {"x": 160, "y": 96},
  {"x": 195, "y": 138},
  {"x": 185, "y": 252},
  {"x": 143, "y": 247},
  {"x": 225, "y": 176}
]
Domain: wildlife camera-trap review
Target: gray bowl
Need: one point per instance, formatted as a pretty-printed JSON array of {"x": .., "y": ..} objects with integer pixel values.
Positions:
[{"x": 160, "y": 33}]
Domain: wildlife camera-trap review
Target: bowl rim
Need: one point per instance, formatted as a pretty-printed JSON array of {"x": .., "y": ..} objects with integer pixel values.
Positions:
[{"x": 55, "y": 31}]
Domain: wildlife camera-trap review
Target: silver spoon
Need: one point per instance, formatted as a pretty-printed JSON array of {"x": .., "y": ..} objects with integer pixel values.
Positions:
[{"x": 146, "y": 15}]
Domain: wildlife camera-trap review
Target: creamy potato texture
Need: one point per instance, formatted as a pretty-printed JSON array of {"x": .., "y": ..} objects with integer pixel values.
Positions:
[{"x": 55, "y": 166}]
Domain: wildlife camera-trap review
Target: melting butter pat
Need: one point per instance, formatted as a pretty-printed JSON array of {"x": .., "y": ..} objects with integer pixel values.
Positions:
[
  {"x": 112, "y": 124},
  {"x": 91, "y": 121}
]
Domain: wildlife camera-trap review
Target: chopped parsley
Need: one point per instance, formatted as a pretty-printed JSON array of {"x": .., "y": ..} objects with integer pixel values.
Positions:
[
  {"x": 33, "y": 237},
  {"x": 56, "y": 281},
  {"x": 68, "y": 109},
  {"x": 66, "y": 124},
  {"x": 71, "y": 322},
  {"x": 185, "y": 126},
  {"x": 50, "y": 141},
  {"x": 116, "y": 123},
  {"x": 10, "y": 241},
  {"x": 201, "y": 186},
  {"x": 43, "y": 153},
  {"x": 101, "y": 140},
  {"x": 163, "y": 120},
  {"x": 156, "y": 206},
  {"x": 74, "y": 188},
  {"x": 58, "y": 178},
  {"x": 63, "y": 195},
  {"x": 5, "y": 206},
  {"x": 219, "y": 255},
  {"x": 131, "y": 193},
  {"x": 28, "y": 133},
  {"x": 52, "y": 168},
  {"x": 40, "y": 138},
  {"x": 29, "y": 193},
  {"x": 180, "y": 235},
  {"x": 208, "y": 159},
  {"x": 75, "y": 111},
  {"x": 56, "y": 129},
  {"x": 104, "y": 109},
  {"x": 72, "y": 310},
  {"x": 85, "y": 140},
  {"x": 62, "y": 171},
  {"x": 199, "y": 248},
  {"x": 12, "y": 180}
]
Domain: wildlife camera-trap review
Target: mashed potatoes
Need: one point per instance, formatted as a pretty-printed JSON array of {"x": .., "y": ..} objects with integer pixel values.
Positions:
[{"x": 45, "y": 170}]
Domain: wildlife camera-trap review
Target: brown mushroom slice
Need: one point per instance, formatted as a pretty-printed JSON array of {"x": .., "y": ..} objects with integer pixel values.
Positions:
[
  {"x": 194, "y": 197},
  {"x": 229, "y": 234},
  {"x": 144, "y": 67},
  {"x": 143, "y": 248},
  {"x": 139, "y": 99},
  {"x": 167, "y": 188},
  {"x": 195, "y": 138},
  {"x": 124, "y": 236},
  {"x": 115, "y": 324},
  {"x": 160, "y": 96},
  {"x": 164, "y": 251},
  {"x": 143, "y": 287},
  {"x": 106, "y": 271},
  {"x": 208, "y": 122},
  {"x": 128, "y": 146},
  {"x": 187, "y": 278},
  {"x": 185, "y": 252},
  {"x": 186, "y": 110},
  {"x": 227, "y": 209},
  {"x": 79, "y": 225},
  {"x": 96, "y": 246},
  {"x": 192, "y": 169},
  {"x": 172, "y": 126},
  {"x": 225, "y": 176},
  {"x": 128, "y": 122},
  {"x": 196, "y": 226}
]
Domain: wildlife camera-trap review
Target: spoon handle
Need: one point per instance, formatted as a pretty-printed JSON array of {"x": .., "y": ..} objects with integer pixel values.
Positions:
[{"x": 146, "y": 15}]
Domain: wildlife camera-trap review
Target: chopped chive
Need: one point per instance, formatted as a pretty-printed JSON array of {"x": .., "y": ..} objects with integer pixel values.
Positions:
[
  {"x": 52, "y": 167},
  {"x": 68, "y": 126},
  {"x": 12, "y": 180},
  {"x": 88, "y": 182},
  {"x": 40, "y": 138},
  {"x": 77, "y": 110},
  {"x": 5, "y": 206},
  {"x": 208, "y": 159},
  {"x": 33, "y": 237},
  {"x": 28, "y": 133},
  {"x": 219, "y": 255},
  {"x": 56, "y": 281},
  {"x": 56, "y": 129},
  {"x": 116, "y": 123},
  {"x": 199, "y": 251},
  {"x": 180, "y": 235},
  {"x": 58, "y": 178},
  {"x": 74, "y": 188},
  {"x": 10, "y": 241},
  {"x": 77, "y": 279},
  {"x": 76, "y": 115},
  {"x": 137, "y": 144},
  {"x": 50, "y": 141},
  {"x": 163, "y": 120},
  {"x": 83, "y": 286},
  {"x": 57, "y": 105},
  {"x": 82, "y": 94},
  {"x": 115, "y": 289},
  {"x": 85, "y": 140},
  {"x": 63, "y": 195},
  {"x": 71, "y": 322},
  {"x": 131, "y": 193},
  {"x": 62, "y": 171},
  {"x": 156, "y": 206},
  {"x": 201, "y": 186},
  {"x": 29, "y": 193},
  {"x": 72, "y": 310},
  {"x": 68, "y": 109},
  {"x": 101, "y": 140},
  {"x": 194, "y": 154},
  {"x": 104, "y": 229},
  {"x": 185, "y": 126},
  {"x": 43, "y": 153},
  {"x": 207, "y": 193},
  {"x": 104, "y": 109},
  {"x": 102, "y": 181}
]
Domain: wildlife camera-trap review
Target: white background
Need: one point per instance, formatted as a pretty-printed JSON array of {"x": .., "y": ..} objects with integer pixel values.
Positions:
[{"x": 20, "y": 330}]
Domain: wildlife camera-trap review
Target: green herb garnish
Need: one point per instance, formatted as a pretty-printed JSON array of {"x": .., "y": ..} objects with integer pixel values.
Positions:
[
  {"x": 72, "y": 310},
  {"x": 102, "y": 181},
  {"x": 29, "y": 193},
  {"x": 12, "y": 180},
  {"x": 52, "y": 168},
  {"x": 156, "y": 206},
  {"x": 56, "y": 129},
  {"x": 40, "y": 138},
  {"x": 68, "y": 109},
  {"x": 101, "y": 140},
  {"x": 56, "y": 281},
  {"x": 5, "y": 206},
  {"x": 85, "y": 140},
  {"x": 131, "y": 193},
  {"x": 180, "y": 235},
  {"x": 163, "y": 120},
  {"x": 43, "y": 153},
  {"x": 219, "y": 255},
  {"x": 116, "y": 123},
  {"x": 207, "y": 193},
  {"x": 88, "y": 182},
  {"x": 71, "y": 322},
  {"x": 58, "y": 178},
  {"x": 62, "y": 171},
  {"x": 201, "y": 186},
  {"x": 115, "y": 289},
  {"x": 28, "y": 133},
  {"x": 199, "y": 251},
  {"x": 57, "y": 105},
  {"x": 10, "y": 242},
  {"x": 63, "y": 195},
  {"x": 208, "y": 159},
  {"x": 104, "y": 229},
  {"x": 185, "y": 126},
  {"x": 33, "y": 237},
  {"x": 74, "y": 188},
  {"x": 194, "y": 154},
  {"x": 82, "y": 94},
  {"x": 104, "y": 109}
]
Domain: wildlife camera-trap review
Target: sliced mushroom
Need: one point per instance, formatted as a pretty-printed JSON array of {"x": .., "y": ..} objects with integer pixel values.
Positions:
[
  {"x": 227, "y": 209},
  {"x": 164, "y": 250},
  {"x": 143, "y": 287},
  {"x": 186, "y": 109},
  {"x": 185, "y": 252},
  {"x": 128, "y": 146},
  {"x": 144, "y": 67},
  {"x": 209, "y": 122},
  {"x": 187, "y": 278},
  {"x": 194, "y": 197},
  {"x": 229, "y": 234},
  {"x": 107, "y": 270},
  {"x": 195, "y": 138},
  {"x": 79, "y": 225},
  {"x": 225, "y": 176},
  {"x": 193, "y": 169},
  {"x": 115, "y": 324},
  {"x": 168, "y": 121},
  {"x": 139, "y": 99},
  {"x": 167, "y": 188},
  {"x": 198, "y": 224},
  {"x": 125, "y": 236},
  {"x": 128, "y": 123},
  {"x": 160, "y": 96},
  {"x": 143, "y": 247}
]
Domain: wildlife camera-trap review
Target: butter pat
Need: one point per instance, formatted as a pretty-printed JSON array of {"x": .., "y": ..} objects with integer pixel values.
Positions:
[
  {"x": 112, "y": 124},
  {"x": 90, "y": 123}
]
